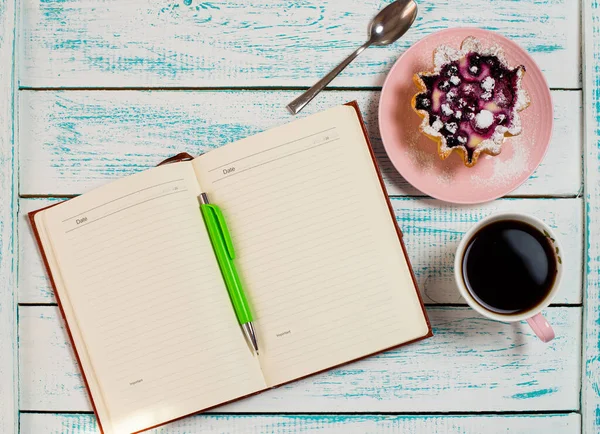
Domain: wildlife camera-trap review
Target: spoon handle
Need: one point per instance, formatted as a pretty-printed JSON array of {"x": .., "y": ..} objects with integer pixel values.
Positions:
[{"x": 298, "y": 104}]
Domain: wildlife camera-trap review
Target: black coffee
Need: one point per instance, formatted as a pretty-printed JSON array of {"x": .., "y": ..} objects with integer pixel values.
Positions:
[{"x": 509, "y": 266}]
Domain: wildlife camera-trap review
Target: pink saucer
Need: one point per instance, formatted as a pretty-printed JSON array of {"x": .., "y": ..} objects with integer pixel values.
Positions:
[{"x": 415, "y": 155}]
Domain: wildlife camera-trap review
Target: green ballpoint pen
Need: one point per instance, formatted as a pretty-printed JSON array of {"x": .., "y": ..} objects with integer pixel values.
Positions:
[{"x": 223, "y": 247}]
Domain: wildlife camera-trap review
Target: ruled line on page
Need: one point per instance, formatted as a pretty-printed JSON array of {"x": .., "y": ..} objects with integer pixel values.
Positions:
[
  {"x": 275, "y": 159},
  {"x": 166, "y": 222},
  {"x": 126, "y": 208},
  {"x": 272, "y": 148},
  {"x": 279, "y": 169},
  {"x": 122, "y": 197}
]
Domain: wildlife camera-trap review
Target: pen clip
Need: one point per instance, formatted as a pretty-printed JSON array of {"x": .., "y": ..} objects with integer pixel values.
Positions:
[{"x": 224, "y": 230}]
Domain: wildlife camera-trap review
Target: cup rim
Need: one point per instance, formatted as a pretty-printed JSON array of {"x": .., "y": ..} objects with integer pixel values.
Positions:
[{"x": 458, "y": 275}]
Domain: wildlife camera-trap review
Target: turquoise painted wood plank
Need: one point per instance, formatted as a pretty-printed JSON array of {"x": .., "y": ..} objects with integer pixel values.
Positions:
[
  {"x": 590, "y": 397},
  {"x": 432, "y": 231},
  {"x": 8, "y": 223},
  {"x": 470, "y": 365},
  {"x": 73, "y": 141},
  {"x": 263, "y": 43},
  {"x": 338, "y": 424}
]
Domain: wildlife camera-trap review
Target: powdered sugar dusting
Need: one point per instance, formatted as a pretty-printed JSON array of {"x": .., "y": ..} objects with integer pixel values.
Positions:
[
  {"x": 484, "y": 119},
  {"x": 505, "y": 171},
  {"x": 447, "y": 110},
  {"x": 488, "y": 84},
  {"x": 427, "y": 161}
]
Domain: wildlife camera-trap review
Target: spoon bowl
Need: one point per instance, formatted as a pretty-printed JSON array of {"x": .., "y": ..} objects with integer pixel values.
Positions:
[
  {"x": 387, "y": 27},
  {"x": 392, "y": 22}
]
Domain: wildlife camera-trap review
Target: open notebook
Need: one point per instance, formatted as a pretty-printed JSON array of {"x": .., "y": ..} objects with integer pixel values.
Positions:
[{"x": 318, "y": 250}]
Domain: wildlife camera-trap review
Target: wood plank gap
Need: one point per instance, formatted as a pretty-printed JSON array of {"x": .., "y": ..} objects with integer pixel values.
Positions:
[
  {"x": 408, "y": 413},
  {"x": 48, "y": 196},
  {"x": 392, "y": 196},
  {"x": 584, "y": 232},
  {"x": 428, "y": 304},
  {"x": 202, "y": 88},
  {"x": 229, "y": 88}
]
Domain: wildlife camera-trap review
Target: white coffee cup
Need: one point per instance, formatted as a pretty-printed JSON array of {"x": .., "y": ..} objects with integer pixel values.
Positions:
[{"x": 533, "y": 316}]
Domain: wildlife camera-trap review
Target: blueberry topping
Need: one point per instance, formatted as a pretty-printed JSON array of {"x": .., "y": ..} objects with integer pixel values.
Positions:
[
  {"x": 474, "y": 63},
  {"x": 492, "y": 61},
  {"x": 452, "y": 141},
  {"x": 444, "y": 86},
  {"x": 474, "y": 59},
  {"x": 475, "y": 97},
  {"x": 469, "y": 90},
  {"x": 429, "y": 80},
  {"x": 423, "y": 102},
  {"x": 452, "y": 70}
]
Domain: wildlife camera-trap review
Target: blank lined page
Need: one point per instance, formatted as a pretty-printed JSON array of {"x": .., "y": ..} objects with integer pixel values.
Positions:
[
  {"x": 316, "y": 244},
  {"x": 74, "y": 331},
  {"x": 149, "y": 299}
]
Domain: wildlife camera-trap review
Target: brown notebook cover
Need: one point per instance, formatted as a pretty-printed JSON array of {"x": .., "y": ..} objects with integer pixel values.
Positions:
[{"x": 186, "y": 157}]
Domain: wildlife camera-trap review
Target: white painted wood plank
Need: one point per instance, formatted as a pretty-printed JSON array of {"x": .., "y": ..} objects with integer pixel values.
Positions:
[
  {"x": 590, "y": 396},
  {"x": 8, "y": 214},
  {"x": 331, "y": 424},
  {"x": 471, "y": 364},
  {"x": 74, "y": 141},
  {"x": 432, "y": 231},
  {"x": 83, "y": 43}
]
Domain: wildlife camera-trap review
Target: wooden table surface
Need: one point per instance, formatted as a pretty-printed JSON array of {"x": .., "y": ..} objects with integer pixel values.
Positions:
[{"x": 94, "y": 90}]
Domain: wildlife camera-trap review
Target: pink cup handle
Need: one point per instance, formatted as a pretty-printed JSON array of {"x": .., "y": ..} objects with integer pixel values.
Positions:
[{"x": 541, "y": 327}]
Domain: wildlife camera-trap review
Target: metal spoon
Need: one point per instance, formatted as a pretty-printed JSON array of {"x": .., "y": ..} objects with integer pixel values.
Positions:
[{"x": 388, "y": 26}]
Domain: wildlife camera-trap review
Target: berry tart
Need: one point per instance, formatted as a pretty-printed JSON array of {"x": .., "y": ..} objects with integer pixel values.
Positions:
[{"x": 471, "y": 100}]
